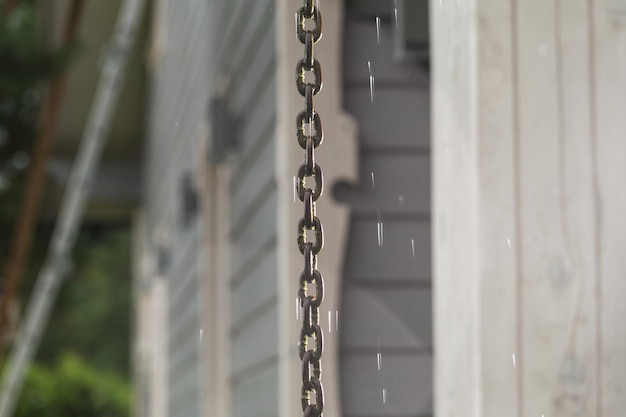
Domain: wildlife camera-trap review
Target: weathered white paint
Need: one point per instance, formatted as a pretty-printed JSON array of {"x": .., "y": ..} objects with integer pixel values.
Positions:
[
  {"x": 215, "y": 339},
  {"x": 528, "y": 149},
  {"x": 338, "y": 158}
]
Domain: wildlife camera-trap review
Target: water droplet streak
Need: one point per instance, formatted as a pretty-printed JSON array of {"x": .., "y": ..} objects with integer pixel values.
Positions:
[
  {"x": 413, "y": 247},
  {"x": 378, "y": 29},
  {"x": 514, "y": 364}
]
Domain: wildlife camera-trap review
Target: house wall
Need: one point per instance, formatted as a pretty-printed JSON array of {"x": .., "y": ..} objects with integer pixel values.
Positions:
[
  {"x": 386, "y": 294},
  {"x": 249, "y": 57},
  {"x": 529, "y": 105}
]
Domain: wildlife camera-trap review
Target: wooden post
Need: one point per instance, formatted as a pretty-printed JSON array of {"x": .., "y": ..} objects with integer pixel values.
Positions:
[
  {"x": 22, "y": 234},
  {"x": 529, "y": 207}
]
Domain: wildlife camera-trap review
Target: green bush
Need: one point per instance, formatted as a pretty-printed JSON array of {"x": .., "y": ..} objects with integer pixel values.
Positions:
[{"x": 73, "y": 389}]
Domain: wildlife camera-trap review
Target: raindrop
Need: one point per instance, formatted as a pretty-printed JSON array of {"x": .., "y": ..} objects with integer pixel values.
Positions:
[
  {"x": 508, "y": 242},
  {"x": 201, "y": 333},
  {"x": 379, "y": 227},
  {"x": 20, "y": 160},
  {"x": 413, "y": 247},
  {"x": 379, "y": 360},
  {"x": 330, "y": 320},
  {"x": 369, "y": 69},
  {"x": 298, "y": 308},
  {"x": 337, "y": 321},
  {"x": 296, "y": 20},
  {"x": 514, "y": 364},
  {"x": 395, "y": 11},
  {"x": 378, "y": 29},
  {"x": 385, "y": 396},
  {"x": 373, "y": 184}
]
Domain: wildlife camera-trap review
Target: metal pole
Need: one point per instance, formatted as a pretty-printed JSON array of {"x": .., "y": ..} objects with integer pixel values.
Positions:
[{"x": 72, "y": 207}]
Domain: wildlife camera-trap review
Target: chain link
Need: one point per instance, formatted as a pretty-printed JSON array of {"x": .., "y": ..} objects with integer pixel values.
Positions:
[{"x": 310, "y": 135}]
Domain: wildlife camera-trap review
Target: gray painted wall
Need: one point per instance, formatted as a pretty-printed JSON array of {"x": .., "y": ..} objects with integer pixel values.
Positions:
[
  {"x": 249, "y": 56},
  {"x": 386, "y": 291}
]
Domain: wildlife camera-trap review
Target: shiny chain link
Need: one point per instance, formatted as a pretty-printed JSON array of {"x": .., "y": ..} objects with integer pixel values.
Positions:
[{"x": 310, "y": 136}]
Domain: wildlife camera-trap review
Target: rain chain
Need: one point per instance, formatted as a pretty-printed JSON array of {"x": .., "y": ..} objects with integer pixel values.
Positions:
[{"x": 310, "y": 136}]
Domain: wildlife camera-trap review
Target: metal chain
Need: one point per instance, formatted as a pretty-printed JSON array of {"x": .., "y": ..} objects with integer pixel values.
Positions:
[{"x": 310, "y": 136}]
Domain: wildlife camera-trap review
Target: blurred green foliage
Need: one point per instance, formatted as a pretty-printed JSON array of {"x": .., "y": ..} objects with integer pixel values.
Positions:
[
  {"x": 92, "y": 314},
  {"x": 26, "y": 57},
  {"x": 72, "y": 388}
]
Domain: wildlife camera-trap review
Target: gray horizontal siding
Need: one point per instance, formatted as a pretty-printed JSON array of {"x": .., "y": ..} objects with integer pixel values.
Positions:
[
  {"x": 386, "y": 293},
  {"x": 250, "y": 59}
]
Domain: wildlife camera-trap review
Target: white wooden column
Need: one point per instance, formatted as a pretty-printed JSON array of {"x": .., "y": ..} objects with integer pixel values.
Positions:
[
  {"x": 529, "y": 154},
  {"x": 337, "y": 157}
]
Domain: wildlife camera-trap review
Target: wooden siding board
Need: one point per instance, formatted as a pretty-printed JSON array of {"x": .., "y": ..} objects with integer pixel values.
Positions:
[
  {"x": 386, "y": 297},
  {"x": 256, "y": 288},
  {"x": 248, "y": 186},
  {"x": 256, "y": 343},
  {"x": 401, "y": 185},
  {"x": 392, "y": 319},
  {"x": 407, "y": 381},
  {"x": 393, "y": 260},
  {"x": 399, "y": 128},
  {"x": 254, "y": 234},
  {"x": 261, "y": 393},
  {"x": 361, "y": 47}
]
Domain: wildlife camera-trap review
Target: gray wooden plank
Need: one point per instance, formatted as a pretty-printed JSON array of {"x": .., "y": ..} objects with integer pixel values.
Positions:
[
  {"x": 255, "y": 289},
  {"x": 248, "y": 185},
  {"x": 258, "y": 396},
  {"x": 386, "y": 319},
  {"x": 256, "y": 343},
  {"x": 407, "y": 381},
  {"x": 401, "y": 185},
  {"x": 362, "y": 46},
  {"x": 254, "y": 234},
  {"x": 398, "y": 117},
  {"x": 397, "y": 259}
]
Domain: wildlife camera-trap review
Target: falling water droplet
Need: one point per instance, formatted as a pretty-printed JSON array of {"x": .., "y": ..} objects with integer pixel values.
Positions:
[
  {"x": 413, "y": 247},
  {"x": 296, "y": 20},
  {"x": 330, "y": 321},
  {"x": 378, "y": 29},
  {"x": 514, "y": 364},
  {"x": 297, "y": 308},
  {"x": 395, "y": 11},
  {"x": 379, "y": 226},
  {"x": 440, "y": 4},
  {"x": 508, "y": 242},
  {"x": 337, "y": 321},
  {"x": 379, "y": 360},
  {"x": 369, "y": 69},
  {"x": 201, "y": 333},
  {"x": 373, "y": 184},
  {"x": 384, "y": 395}
]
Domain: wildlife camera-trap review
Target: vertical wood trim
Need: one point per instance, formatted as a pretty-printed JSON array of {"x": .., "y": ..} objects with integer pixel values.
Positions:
[
  {"x": 609, "y": 84},
  {"x": 456, "y": 276},
  {"x": 499, "y": 235},
  {"x": 338, "y": 158},
  {"x": 215, "y": 269}
]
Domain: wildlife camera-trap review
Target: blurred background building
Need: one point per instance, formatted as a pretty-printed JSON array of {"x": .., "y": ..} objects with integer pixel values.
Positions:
[{"x": 472, "y": 268}]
